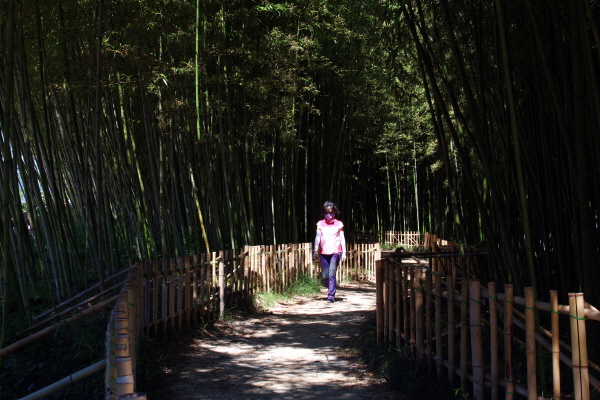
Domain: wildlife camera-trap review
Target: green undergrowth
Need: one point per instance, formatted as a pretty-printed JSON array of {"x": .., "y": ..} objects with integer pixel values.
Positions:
[
  {"x": 71, "y": 348},
  {"x": 304, "y": 285},
  {"x": 409, "y": 380}
]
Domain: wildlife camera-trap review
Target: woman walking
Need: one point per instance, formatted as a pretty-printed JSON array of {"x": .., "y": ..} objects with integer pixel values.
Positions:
[{"x": 330, "y": 246}]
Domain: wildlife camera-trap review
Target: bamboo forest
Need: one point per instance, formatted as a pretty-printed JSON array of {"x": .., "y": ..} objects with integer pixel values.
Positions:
[{"x": 147, "y": 129}]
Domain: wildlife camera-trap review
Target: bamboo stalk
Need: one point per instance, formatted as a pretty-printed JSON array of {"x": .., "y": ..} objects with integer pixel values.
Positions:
[
  {"x": 476, "y": 339},
  {"x": 493, "y": 340}
]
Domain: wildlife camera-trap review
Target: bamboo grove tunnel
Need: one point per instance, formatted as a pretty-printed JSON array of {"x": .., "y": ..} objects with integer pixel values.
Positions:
[{"x": 134, "y": 132}]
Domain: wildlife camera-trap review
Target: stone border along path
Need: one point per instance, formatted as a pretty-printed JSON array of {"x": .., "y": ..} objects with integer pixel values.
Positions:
[{"x": 293, "y": 351}]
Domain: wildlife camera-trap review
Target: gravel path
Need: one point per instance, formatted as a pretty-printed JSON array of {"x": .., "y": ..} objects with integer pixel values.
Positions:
[{"x": 294, "y": 351}]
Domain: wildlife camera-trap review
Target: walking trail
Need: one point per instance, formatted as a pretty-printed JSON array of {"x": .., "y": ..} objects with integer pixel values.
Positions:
[{"x": 299, "y": 350}]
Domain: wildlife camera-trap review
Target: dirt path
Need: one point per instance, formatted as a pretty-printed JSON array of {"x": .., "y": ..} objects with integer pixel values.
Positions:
[{"x": 295, "y": 351}]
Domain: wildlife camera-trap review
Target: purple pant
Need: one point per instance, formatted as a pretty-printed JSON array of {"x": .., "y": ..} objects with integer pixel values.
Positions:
[{"x": 329, "y": 263}]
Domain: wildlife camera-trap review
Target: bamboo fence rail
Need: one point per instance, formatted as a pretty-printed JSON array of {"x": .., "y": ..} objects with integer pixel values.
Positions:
[
  {"x": 414, "y": 296},
  {"x": 162, "y": 295}
]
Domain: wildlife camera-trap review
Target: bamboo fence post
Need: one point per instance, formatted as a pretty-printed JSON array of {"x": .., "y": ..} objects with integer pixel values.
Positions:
[
  {"x": 493, "y": 340},
  {"x": 263, "y": 267},
  {"x": 289, "y": 253},
  {"x": 110, "y": 375},
  {"x": 251, "y": 270},
  {"x": 428, "y": 321},
  {"x": 275, "y": 281},
  {"x": 132, "y": 322},
  {"x": 270, "y": 273},
  {"x": 188, "y": 284},
  {"x": 419, "y": 317},
  {"x": 405, "y": 305},
  {"x": 221, "y": 285},
  {"x": 390, "y": 302},
  {"x": 172, "y": 288},
  {"x": 581, "y": 381},
  {"x": 379, "y": 300},
  {"x": 155, "y": 291},
  {"x": 243, "y": 286},
  {"x": 180, "y": 282},
  {"x": 555, "y": 345},
  {"x": 464, "y": 330},
  {"x": 139, "y": 296},
  {"x": 125, "y": 380},
  {"x": 203, "y": 281},
  {"x": 451, "y": 331},
  {"x": 530, "y": 343},
  {"x": 386, "y": 302},
  {"x": 508, "y": 336},
  {"x": 437, "y": 279},
  {"x": 165, "y": 294},
  {"x": 213, "y": 288},
  {"x": 412, "y": 310},
  {"x": 149, "y": 277},
  {"x": 294, "y": 259},
  {"x": 341, "y": 270},
  {"x": 397, "y": 279},
  {"x": 476, "y": 339}
]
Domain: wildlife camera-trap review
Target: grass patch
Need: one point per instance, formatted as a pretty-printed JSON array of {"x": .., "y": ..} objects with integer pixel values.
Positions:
[
  {"x": 402, "y": 374},
  {"x": 304, "y": 285}
]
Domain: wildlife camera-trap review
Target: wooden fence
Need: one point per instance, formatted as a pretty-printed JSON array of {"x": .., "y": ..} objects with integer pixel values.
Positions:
[
  {"x": 404, "y": 239},
  {"x": 162, "y": 295},
  {"x": 438, "y": 318}
]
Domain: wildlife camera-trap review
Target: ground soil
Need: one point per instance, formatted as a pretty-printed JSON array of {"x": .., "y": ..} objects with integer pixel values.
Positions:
[{"x": 298, "y": 350}]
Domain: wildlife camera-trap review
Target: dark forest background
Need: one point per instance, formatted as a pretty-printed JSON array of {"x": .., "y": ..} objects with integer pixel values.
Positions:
[{"x": 136, "y": 130}]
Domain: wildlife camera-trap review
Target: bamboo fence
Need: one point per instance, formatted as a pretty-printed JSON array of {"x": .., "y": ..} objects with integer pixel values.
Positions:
[
  {"x": 433, "y": 313},
  {"x": 160, "y": 296},
  {"x": 404, "y": 239}
]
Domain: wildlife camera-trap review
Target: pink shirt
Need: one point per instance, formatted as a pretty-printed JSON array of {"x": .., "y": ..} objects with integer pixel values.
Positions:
[{"x": 331, "y": 242}]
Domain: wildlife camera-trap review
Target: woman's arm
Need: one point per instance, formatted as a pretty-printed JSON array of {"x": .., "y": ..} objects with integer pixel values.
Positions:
[{"x": 317, "y": 244}]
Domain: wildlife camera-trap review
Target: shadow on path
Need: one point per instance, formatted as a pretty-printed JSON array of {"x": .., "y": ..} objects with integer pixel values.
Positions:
[{"x": 295, "y": 351}]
